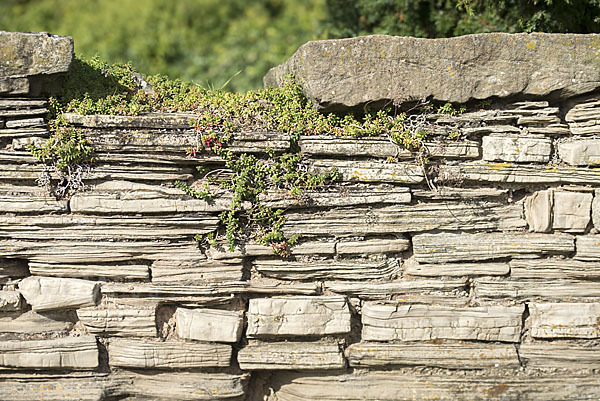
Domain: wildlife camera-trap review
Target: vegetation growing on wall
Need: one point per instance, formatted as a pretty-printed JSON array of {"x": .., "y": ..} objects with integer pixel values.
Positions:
[{"x": 95, "y": 87}]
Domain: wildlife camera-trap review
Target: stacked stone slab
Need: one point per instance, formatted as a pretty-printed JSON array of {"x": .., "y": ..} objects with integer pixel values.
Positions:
[{"x": 473, "y": 277}]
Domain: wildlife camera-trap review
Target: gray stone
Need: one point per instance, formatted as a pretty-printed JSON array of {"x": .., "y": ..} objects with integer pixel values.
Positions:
[
  {"x": 565, "y": 320},
  {"x": 298, "y": 316},
  {"x": 387, "y": 322},
  {"x": 62, "y": 353},
  {"x": 456, "y": 269},
  {"x": 28, "y": 55},
  {"x": 402, "y": 219},
  {"x": 344, "y": 270},
  {"x": 583, "y": 116},
  {"x": 538, "y": 211},
  {"x": 112, "y": 271},
  {"x": 343, "y": 195},
  {"x": 291, "y": 355},
  {"x": 347, "y": 73},
  {"x": 372, "y": 246},
  {"x": 571, "y": 211},
  {"x": 552, "y": 269},
  {"x": 186, "y": 386},
  {"x": 517, "y": 148},
  {"x": 16, "y": 323},
  {"x": 371, "y": 171},
  {"x": 398, "y": 385},
  {"x": 49, "y": 293},
  {"x": 167, "y": 355},
  {"x": 451, "y": 356},
  {"x": 587, "y": 247},
  {"x": 209, "y": 325},
  {"x": 450, "y": 247},
  {"x": 528, "y": 289},
  {"x": 379, "y": 290},
  {"x": 195, "y": 271},
  {"x": 121, "y": 322},
  {"x": 563, "y": 356},
  {"x": 508, "y": 173},
  {"x": 580, "y": 152},
  {"x": 328, "y": 145}
]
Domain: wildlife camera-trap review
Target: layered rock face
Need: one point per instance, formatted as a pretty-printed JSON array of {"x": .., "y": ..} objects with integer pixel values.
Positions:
[{"x": 472, "y": 277}]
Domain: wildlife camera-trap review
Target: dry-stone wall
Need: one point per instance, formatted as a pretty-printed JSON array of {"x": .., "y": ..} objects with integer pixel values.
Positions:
[{"x": 474, "y": 277}]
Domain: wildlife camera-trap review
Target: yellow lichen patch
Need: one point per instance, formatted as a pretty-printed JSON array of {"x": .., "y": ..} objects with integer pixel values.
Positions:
[
  {"x": 499, "y": 166},
  {"x": 531, "y": 45}
]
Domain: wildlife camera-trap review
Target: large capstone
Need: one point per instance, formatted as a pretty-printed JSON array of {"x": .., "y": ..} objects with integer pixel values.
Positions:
[
  {"x": 31, "y": 62},
  {"x": 378, "y": 70}
]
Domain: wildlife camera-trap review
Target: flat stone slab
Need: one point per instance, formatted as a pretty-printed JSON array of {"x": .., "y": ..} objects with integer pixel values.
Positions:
[
  {"x": 451, "y": 356},
  {"x": 393, "y": 321},
  {"x": 28, "y": 55},
  {"x": 348, "y": 73},
  {"x": 565, "y": 320},
  {"x": 291, "y": 355},
  {"x": 209, "y": 325},
  {"x": 61, "y": 353},
  {"x": 298, "y": 316},
  {"x": 167, "y": 355},
  {"x": 49, "y": 293},
  {"x": 122, "y": 322},
  {"x": 397, "y": 385}
]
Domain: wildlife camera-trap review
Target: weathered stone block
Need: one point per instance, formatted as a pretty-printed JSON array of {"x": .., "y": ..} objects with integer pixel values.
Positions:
[
  {"x": 209, "y": 325},
  {"x": 565, "y": 320},
  {"x": 28, "y": 55},
  {"x": 584, "y": 115},
  {"x": 16, "y": 323},
  {"x": 48, "y": 293},
  {"x": 580, "y": 152},
  {"x": 487, "y": 172},
  {"x": 456, "y": 269},
  {"x": 371, "y": 171},
  {"x": 196, "y": 271},
  {"x": 409, "y": 218},
  {"x": 372, "y": 246},
  {"x": 553, "y": 269},
  {"x": 449, "y": 247},
  {"x": 348, "y": 73},
  {"x": 571, "y": 211},
  {"x": 167, "y": 355},
  {"x": 524, "y": 289},
  {"x": 402, "y": 288},
  {"x": 596, "y": 209},
  {"x": 538, "y": 211},
  {"x": 298, "y": 316},
  {"x": 122, "y": 322},
  {"x": 517, "y": 148},
  {"x": 388, "y": 322},
  {"x": 395, "y": 385},
  {"x": 291, "y": 355},
  {"x": 186, "y": 386},
  {"x": 63, "y": 353},
  {"x": 451, "y": 356},
  {"x": 563, "y": 356},
  {"x": 344, "y": 270},
  {"x": 588, "y": 247}
]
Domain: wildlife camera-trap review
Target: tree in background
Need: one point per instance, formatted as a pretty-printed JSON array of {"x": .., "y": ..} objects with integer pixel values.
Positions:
[
  {"x": 205, "y": 41},
  {"x": 209, "y": 41},
  {"x": 445, "y": 18}
]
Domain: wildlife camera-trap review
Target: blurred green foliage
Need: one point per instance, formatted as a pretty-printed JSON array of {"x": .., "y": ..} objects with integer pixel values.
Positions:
[
  {"x": 445, "y": 18},
  {"x": 210, "y": 41},
  {"x": 205, "y": 41}
]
